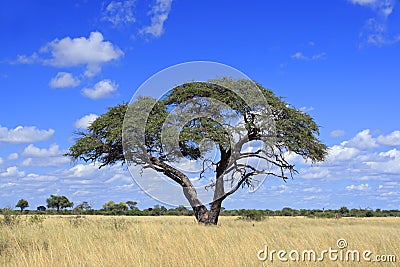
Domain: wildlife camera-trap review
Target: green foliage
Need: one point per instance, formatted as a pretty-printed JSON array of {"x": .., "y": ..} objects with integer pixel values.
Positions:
[
  {"x": 131, "y": 204},
  {"x": 295, "y": 130},
  {"x": 22, "y": 204},
  {"x": 344, "y": 211},
  {"x": 102, "y": 141},
  {"x": 252, "y": 215},
  {"x": 115, "y": 208},
  {"x": 59, "y": 202},
  {"x": 83, "y": 206}
]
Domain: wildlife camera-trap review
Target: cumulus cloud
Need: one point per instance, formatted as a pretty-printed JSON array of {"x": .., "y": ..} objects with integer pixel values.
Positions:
[
  {"x": 301, "y": 56},
  {"x": 24, "y": 134},
  {"x": 362, "y": 158},
  {"x": 363, "y": 140},
  {"x": 81, "y": 170},
  {"x": 101, "y": 89},
  {"x": 360, "y": 187},
  {"x": 43, "y": 157},
  {"x": 392, "y": 139},
  {"x": 91, "y": 52},
  {"x": 388, "y": 162},
  {"x": 32, "y": 151},
  {"x": 85, "y": 121},
  {"x": 12, "y": 172},
  {"x": 63, "y": 80},
  {"x": 119, "y": 12},
  {"x": 159, "y": 14},
  {"x": 53, "y": 161},
  {"x": 339, "y": 153}
]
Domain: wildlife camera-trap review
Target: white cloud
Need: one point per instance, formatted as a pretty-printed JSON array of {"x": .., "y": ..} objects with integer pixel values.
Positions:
[
  {"x": 63, "y": 80},
  {"x": 363, "y": 141},
  {"x": 24, "y": 134},
  {"x": 32, "y": 151},
  {"x": 101, "y": 89},
  {"x": 389, "y": 162},
  {"x": 394, "y": 153},
  {"x": 363, "y": 2},
  {"x": 85, "y": 121},
  {"x": 39, "y": 178},
  {"x": 375, "y": 29},
  {"x": 312, "y": 190},
  {"x": 159, "y": 14},
  {"x": 1, "y": 160},
  {"x": 315, "y": 173},
  {"x": 300, "y": 56},
  {"x": 360, "y": 187},
  {"x": 119, "y": 177},
  {"x": 382, "y": 7},
  {"x": 392, "y": 139},
  {"x": 82, "y": 170},
  {"x": 13, "y": 156},
  {"x": 119, "y": 12},
  {"x": 340, "y": 153},
  {"x": 23, "y": 59},
  {"x": 43, "y": 157},
  {"x": 337, "y": 133},
  {"x": 92, "y": 52},
  {"x": 81, "y": 193},
  {"x": 306, "y": 109},
  {"x": 375, "y": 33},
  {"x": 12, "y": 172},
  {"x": 53, "y": 161}
]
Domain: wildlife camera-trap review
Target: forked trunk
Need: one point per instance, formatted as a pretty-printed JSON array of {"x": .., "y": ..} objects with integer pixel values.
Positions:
[
  {"x": 208, "y": 217},
  {"x": 203, "y": 216}
]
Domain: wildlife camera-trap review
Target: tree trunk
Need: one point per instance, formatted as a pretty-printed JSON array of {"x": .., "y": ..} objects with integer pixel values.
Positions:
[
  {"x": 203, "y": 216},
  {"x": 214, "y": 211}
]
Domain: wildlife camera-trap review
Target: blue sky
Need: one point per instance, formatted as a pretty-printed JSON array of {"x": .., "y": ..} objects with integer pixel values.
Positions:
[{"x": 62, "y": 63}]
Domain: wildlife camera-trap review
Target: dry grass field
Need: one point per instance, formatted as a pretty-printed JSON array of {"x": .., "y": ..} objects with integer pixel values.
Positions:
[{"x": 179, "y": 241}]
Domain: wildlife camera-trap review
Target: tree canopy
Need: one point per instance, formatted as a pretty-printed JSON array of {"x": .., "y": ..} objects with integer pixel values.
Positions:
[
  {"x": 59, "y": 202},
  {"x": 225, "y": 115},
  {"x": 22, "y": 204}
]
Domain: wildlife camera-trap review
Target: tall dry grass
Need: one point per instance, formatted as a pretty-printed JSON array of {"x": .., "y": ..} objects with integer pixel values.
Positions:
[{"x": 180, "y": 241}]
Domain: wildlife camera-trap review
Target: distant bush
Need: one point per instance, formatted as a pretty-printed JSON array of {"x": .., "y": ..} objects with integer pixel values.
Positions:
[{"x": 252, "y": 215}]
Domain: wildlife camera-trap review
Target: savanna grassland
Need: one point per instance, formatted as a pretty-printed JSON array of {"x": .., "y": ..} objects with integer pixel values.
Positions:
[{"x": 180, "y": 241}]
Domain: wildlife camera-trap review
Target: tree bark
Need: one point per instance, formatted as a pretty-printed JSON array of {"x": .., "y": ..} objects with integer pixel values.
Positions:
[{"x": 215, "y": 211}]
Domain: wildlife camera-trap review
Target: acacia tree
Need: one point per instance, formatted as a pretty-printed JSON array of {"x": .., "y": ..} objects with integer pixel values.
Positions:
[
  {"x": 131, "y": 204},
  {"x": 59, "y": 202},
  {"x": 84, "y": 206},
  {"x": 150, "y": 143},
  {"x": 22, "y": 204}
]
